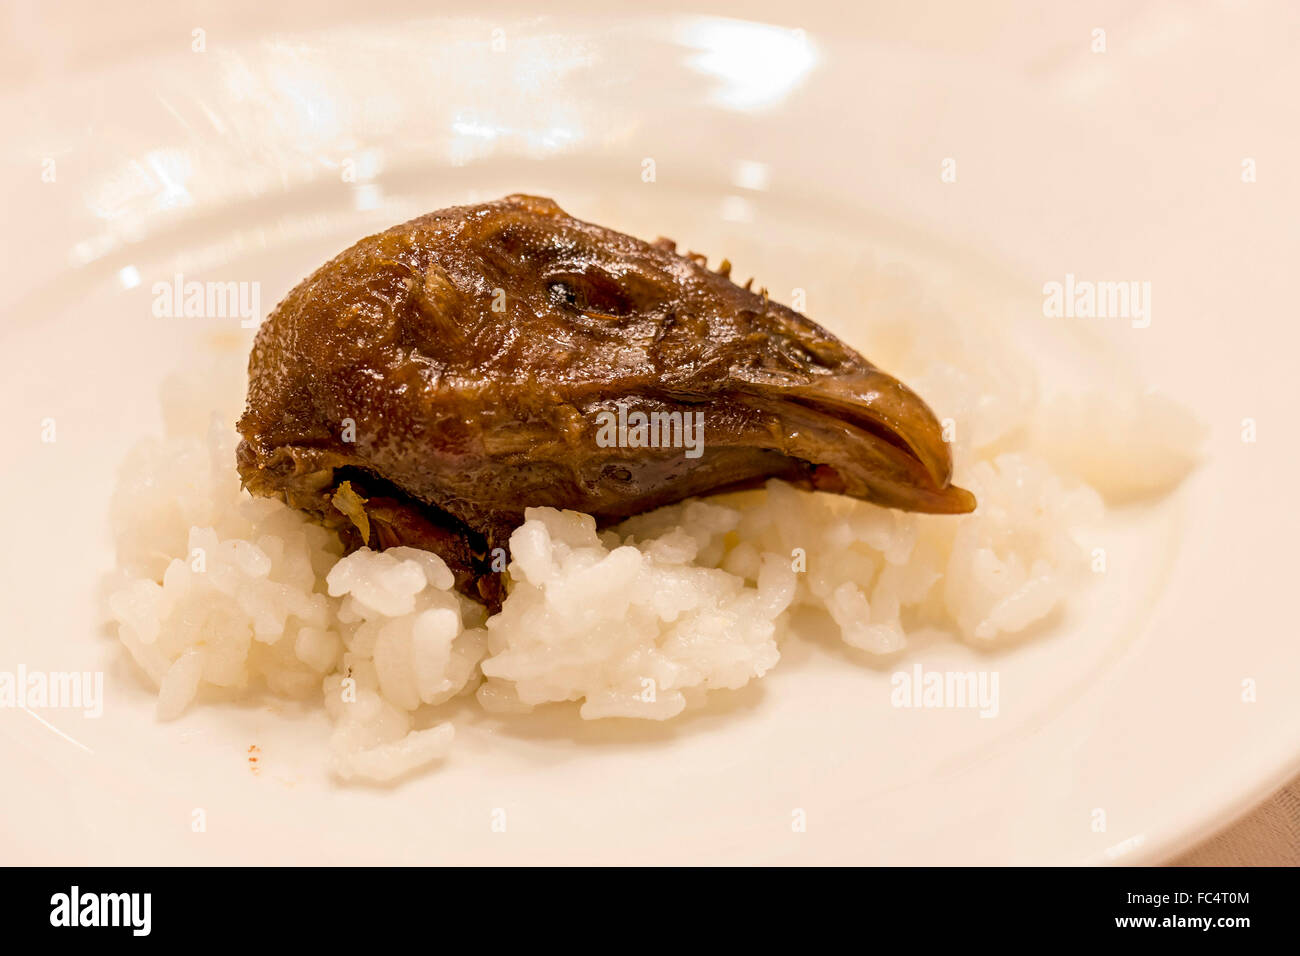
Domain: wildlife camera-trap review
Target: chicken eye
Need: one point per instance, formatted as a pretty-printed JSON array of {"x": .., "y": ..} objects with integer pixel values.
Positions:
[
  {"x": 592, "y": 293},
  {"x": 562, "y": 292}
]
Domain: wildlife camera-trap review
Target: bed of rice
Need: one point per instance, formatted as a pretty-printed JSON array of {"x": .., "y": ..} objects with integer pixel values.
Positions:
[{"x": 214, "y": 588}]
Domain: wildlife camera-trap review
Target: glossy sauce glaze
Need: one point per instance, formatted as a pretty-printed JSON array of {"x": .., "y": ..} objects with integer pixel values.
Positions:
[{"x": 431, "y": 382}]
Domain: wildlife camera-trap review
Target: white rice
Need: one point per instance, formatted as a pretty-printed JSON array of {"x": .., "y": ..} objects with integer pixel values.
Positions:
[{"x": 218, "y": 590}]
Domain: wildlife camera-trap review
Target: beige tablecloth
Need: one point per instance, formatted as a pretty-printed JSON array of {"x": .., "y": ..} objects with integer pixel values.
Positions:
[{"x": 1268, "y": 836}]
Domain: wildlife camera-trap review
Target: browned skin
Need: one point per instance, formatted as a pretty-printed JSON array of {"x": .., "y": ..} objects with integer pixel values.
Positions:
[{"x": 465, "y": 415}]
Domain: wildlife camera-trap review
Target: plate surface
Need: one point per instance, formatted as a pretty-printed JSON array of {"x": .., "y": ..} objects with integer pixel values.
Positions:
[{"x": 257, "y": 147}]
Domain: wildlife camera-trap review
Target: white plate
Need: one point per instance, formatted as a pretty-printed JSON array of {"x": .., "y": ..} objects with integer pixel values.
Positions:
[{"x": 791, "y": 152}]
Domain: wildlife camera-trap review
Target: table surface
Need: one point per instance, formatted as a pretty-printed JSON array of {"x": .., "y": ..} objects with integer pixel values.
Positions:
[{"x": 1267, "y": 836}]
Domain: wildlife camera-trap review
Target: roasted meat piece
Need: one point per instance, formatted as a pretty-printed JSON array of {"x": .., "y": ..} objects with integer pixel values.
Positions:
[{"x": 433, "y": 381}]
